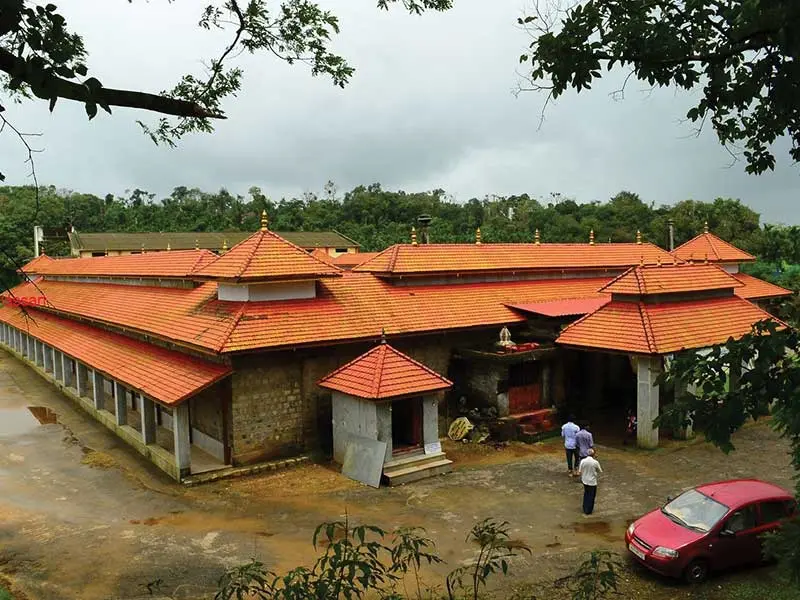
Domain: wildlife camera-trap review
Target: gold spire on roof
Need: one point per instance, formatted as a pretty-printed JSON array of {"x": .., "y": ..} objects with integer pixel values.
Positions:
[
  {"x": 591, "y": 237},
  {"x": 142, "y": 248},
  {"x": 658, "y": 261},
  {"x": 478, "y": 236},
  {"x": 641, "y": 261},
  {"x": 106, "y": 254},
  {"x": 414, "y": 236},
  {"x": 196, "y": 244},
  {"x": 383, "y": 335},
  {"x": 705, "y": 227},
  {"x": 706, "y": 258},
  {"x": 638, "y": 237},
  {"x": 224, "y": 245},
  {"x": 264, "y": 220},
  {"x": 537, "y": 238},
  {"x": 169, "y": 247}
]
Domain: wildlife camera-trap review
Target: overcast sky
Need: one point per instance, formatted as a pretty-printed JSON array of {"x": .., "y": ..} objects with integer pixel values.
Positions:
[{"x": 430, "y": 106}]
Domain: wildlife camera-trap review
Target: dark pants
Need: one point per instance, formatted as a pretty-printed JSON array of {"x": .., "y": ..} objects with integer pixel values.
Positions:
[
  {"x": 572, "y": 458},
  {"x": 589, "y": 494}
]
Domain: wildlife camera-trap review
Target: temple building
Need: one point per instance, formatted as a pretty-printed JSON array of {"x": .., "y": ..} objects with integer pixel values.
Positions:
[{"x": 208, "y": 363}]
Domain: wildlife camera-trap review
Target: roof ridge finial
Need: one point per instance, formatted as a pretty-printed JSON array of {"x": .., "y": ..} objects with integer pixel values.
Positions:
[
  {"x": 169, "y": 247},
  {"x": 414, "y": 236},
  {"x": 196, "y": 244},
  {"x": 383, "y": 335},
  {"x": 224, "y": 245},
  {"x": 658, "y": 261},
  {"x": 706, "y": 259},
  {"x": 478, "y": 236},
  {"x": 591, "y": 237},
  {"x": 264, "y": 221},
  {"x": 537, "y": 239},
  {"x": 142, "y": 248},
  {"x": 705, "y": 227},
  {"x": 638, "y": 237},
  {"x": 641, "y": 260}
]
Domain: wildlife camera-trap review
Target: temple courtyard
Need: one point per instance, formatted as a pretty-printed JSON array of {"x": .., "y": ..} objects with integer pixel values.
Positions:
[{"x": 83, "y": 516}]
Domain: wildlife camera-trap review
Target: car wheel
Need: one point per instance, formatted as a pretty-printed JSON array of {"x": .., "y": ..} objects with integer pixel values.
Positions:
[{"x": 696, "y": 571}]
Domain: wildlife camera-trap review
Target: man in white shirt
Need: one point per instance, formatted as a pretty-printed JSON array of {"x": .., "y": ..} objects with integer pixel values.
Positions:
[
  {"x": 568, "y": 432},
  {"x": 589, "y": 469}
]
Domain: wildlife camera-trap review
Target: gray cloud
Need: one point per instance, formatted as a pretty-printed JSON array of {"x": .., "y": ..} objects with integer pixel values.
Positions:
[{"x": 430, "y": 106}]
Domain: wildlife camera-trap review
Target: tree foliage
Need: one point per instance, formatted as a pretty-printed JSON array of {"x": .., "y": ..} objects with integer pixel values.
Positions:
[
  {"x": 741, "y": 55},
  {"x": 764, "y": 367}
]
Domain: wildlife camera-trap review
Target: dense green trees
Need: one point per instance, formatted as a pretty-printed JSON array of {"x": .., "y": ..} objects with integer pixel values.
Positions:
[{"x": 378, "y": 218}]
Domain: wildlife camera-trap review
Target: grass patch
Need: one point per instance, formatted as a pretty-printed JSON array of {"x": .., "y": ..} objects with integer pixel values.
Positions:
[
  {"x": 98, "y": 460},
  {"x": 5, "y": 594}
]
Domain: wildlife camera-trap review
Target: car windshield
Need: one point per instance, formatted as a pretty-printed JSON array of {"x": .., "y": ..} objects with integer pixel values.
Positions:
[{"x": 695, "y": 511}]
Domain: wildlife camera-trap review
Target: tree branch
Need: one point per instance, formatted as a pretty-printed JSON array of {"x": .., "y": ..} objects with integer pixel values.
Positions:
[{"x": 70, "y": 90}]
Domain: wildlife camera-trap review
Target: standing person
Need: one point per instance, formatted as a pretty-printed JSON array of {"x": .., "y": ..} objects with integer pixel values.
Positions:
[
  {"x": 585, "y": 442},
  {"x": 630, "y": 426},
  {"x": 589, "y": 470},
  {"x": 568, "y": 431}
]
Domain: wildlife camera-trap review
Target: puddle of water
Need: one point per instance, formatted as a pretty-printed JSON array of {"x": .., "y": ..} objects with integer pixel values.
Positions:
[
  {"x": 598, "y": 528},
  {"x": 24, "y": 420}
]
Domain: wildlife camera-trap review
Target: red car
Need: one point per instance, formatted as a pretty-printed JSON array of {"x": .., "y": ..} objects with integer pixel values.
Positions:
[{"x": 710, "y": 527}]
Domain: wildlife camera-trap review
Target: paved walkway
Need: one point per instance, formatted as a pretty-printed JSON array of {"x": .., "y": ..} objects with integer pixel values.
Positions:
[{"x": 82, "y": 516}]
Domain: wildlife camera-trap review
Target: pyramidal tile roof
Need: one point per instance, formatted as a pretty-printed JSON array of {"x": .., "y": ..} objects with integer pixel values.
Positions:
[
  {"x": 754, "y": 288},
  {"x": 671, "y": 279},
  {"x": 383, "y": 373},
  {"x": 708, "y": 246},
  {"x": 664, "y": 328},
  {"x": 172, "y": 264},
  {"x": 32, "y": 266},
  {"x": 266, "y": 256}
]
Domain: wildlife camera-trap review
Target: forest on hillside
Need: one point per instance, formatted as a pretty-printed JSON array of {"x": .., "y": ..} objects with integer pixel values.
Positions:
[{"x": 377, "y": 218}]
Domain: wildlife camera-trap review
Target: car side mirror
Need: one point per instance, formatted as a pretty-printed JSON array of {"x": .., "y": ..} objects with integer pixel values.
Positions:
[{"x": 726, "y": 533}]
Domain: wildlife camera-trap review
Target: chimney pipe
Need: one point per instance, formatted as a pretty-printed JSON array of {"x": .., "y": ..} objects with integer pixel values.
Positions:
[
  {"x": 423, "y": 221},
  {"x": 671, "y": 235}
]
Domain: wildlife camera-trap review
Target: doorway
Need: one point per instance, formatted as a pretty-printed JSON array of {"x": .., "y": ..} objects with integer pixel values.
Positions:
[{"x": 406, "y": 425}]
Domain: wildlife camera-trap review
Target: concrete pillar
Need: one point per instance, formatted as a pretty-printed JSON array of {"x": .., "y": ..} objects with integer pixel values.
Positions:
[
  {"x": 120, "y": 404},
  {"x": 148, "y": 411},
  {"x": 98, "y": 391},
  {"x": 647, "y": 371},
  {"x": 384, "y": 418},
  {"x": 81, "y": 378},
  {"x": 180, "y": 431},
  {"x": 430, "y": 425}
]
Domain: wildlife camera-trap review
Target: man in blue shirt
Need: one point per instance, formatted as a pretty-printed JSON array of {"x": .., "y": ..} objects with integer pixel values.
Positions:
[
  {"x": 584, "y": 442},
  {"x": 568, "y": 432}
]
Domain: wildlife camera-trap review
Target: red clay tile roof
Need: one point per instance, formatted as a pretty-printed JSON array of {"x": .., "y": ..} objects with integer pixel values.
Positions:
[
  {"x": 353, "y": 259},
  {"x": 670, "y": 279},
  {"x": 754, "y": 288},
  {"x": 347, "y": 308},
  {"x": 322, "y": 254},
  {"x": 563, "y": 308},
  {"x": 172, "y": 264},
  {"x": 164, "y": 375},
  {"x": 708, "y": 246},
  {"x": 384, "y": 373},
  {"x": 32, "y": 266},
  {"x": 265, "y": 256},
  {"x": 642, "y": 328},
  {"x": 431, "y": 259}
]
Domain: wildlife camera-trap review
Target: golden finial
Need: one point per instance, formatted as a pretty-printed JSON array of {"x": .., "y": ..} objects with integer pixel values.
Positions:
[
  {"x": 658, "y": 261},
  {"x": 196, "y": 244},
  {"x": 537, "y": 238},
  {"x": 641, "y": 261},
  {"x": 142, "y": 248},
  {"x": 674, "y": 261},
  {"x": 383, "y": 335},
  {"x": 705, "y": 227},
  {"x": 414, "y": 236},
  {"x": 478, "y": 236},
  {"x": 706, "y": 259},
  {"x": 264, "y": 220},
  {"x": 224, "y": 245},
  {"x": 106, "y": 251},
  {"x": 690, "y": 261},
  {"x": 168, "y": 247},
  {"x": 638, "y": 237},
  {"x": 591, "y": 237}
]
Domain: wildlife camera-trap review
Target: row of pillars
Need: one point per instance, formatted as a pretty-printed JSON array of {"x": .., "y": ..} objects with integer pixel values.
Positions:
[{"x": 73, "y": 374}]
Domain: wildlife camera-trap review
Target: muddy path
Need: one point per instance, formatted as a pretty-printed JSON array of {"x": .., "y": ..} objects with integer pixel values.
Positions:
[{"x": 82, "y": 516}]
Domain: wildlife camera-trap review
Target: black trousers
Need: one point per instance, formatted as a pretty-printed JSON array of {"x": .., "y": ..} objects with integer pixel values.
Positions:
[
  {"x": 589, "y": 494},
  {"x": 572, "y": 458}
]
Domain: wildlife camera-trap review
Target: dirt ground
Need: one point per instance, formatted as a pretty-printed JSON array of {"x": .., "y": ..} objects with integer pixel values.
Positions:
[{"x": 83, "y": 516}]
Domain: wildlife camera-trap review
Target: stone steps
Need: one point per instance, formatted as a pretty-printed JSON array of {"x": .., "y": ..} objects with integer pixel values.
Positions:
[{"x": 414, "y": 468}]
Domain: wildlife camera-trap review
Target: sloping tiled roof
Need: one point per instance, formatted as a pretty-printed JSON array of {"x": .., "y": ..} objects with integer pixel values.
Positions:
[
  {"x": 164, "y": 375},
  {"x": 384, "y": 373},
  {"x": 431, "y": 259},
  {"x": 348, "y": 308},
  {"x": 183, "y": 240},
  {"x": 265, "y": 256},
  {"x": 708, "y": 246},
  {"x": 349, "y": 260},
  {"x": 564, "y": 308},
  {"x": 173, "y": 264},
  {"x": 670, "y": 279},
  {"x": 32, "y": 266},
  {"x": 664, "y": 328},
  {"x": 754, "y": 288}
]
